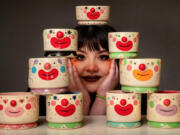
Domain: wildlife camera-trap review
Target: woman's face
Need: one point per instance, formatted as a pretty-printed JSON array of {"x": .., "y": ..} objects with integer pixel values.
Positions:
[{"x": 93, "y": 67}]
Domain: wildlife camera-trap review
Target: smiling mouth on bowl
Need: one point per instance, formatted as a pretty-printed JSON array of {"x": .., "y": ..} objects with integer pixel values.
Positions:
[{"x": 91, "y": 78}]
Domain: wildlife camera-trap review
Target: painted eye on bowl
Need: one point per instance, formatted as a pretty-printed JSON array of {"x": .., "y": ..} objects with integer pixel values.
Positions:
[
  {"x": 134, "y": 63},
  {"x": 152, "y": 63},
  {"x": 50, "y": 31},
  {"x": 99, "y": 8},
  {"x": 39, "y": 63},
  {"x": 69, "y": 32},
  {"x": 54, "y": 63},
  {"x": 86, "y": 8},
  {"x": 21, "y": 100}
]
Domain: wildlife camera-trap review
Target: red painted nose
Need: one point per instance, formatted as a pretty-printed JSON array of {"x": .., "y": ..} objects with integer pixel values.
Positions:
[
  {"x": 92, "y": 10},
  {"x": 123, "y": 102},
  {"x": 166, "y": 102},
  {"x": 47, "y": 66},
  {"x": 13, "y": 103},
  {"x": 142, "y": 67},
  {"x": 124, "y": 39},
  {"x": 64, "y": 102},
  {"x": 59, "y": 34}
]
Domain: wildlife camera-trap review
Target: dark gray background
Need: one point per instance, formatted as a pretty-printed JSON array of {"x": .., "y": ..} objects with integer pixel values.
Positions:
[{"x": 22, "y": 23}]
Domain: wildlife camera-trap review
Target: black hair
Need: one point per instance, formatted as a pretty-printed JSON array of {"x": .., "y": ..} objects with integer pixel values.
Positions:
[{"x": 93, "y": 36}]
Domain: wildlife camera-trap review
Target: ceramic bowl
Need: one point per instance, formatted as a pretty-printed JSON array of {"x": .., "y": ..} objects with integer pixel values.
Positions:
[
  {"x": 141, "y": 75},
  {"x": 18, "y": 110},
  {"x": 123, "y": 109},
  {"x": 163, "y": 109},
  {"x": 92, "y": 15},
  {"x": 64, "y": 111},
  {"x": 123, "y": 44}
]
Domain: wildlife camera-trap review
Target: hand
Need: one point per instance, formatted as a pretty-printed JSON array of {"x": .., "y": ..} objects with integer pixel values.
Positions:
[
  {"x": 76, "y": 85},
  {"x": 111, "y": 80}
]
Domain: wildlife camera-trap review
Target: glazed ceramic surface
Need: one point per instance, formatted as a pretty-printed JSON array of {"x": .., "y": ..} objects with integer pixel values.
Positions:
[
  {"x": 18, "y": 108},
  {"x": 123, "y": 41},
  {"x": 64, "y": 108},
  {"x": 92, "y": 15},
  {"x": 123, "y": 107},
  {"x": 164, "y": 106},
  {"x": 48, "y": 72},
  {"x": 140, "y": 72},
  {"x": 60, "y": 39}
]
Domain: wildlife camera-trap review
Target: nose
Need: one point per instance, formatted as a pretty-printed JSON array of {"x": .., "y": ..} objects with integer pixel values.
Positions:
[
  {"x": 124, "y": 39},
  {"x": 59, "y": 34},
  {"x": 47, "y": 66},
  {"x": 91, "y": 67},
  {"x": 142, "y": 67},
  {"x": 64, "y": 102},
  {"x": 13, "y": 103},
  {"x": 92, "y": 10},
  {"x": 123, "y": 102},
  {"x": 166, "y": 102}
]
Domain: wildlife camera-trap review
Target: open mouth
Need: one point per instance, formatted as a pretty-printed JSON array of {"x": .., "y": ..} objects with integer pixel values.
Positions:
[
  {"x": 142, "y": 74},
  {"x": 91, "y": 78},
  {"x": 65, "y": 111},
  {"x": 124, "y": 46},
  {"x": 123, "y": 110},
  {"x": 93, "y": 16},
  {"x": 166, "y": 111},
  {"x": 14, "y": 112},
  {"x": 48, "y": 75},
  {"x": 60, "y": 43}
]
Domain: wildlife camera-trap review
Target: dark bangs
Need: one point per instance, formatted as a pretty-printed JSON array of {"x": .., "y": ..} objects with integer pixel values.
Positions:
[{"x": 93, "y": 36}]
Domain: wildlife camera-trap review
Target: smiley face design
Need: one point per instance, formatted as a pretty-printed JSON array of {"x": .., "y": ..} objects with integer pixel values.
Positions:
[
  {"x": 18, "y": 107},
  {"x": 164, "y": 105},
  {"x": 140, "y": 72},
  {"x": 122, "y": 106},
  {"x": 67, "y": 107},
  {"x": 60, "y": 39},
  {"x": 47, "y": 72},
  {"x": 123, "y": 41},
  {"x": 90, "y": 14}
]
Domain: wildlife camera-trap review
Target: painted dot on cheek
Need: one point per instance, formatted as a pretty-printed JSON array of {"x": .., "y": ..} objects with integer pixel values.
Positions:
[
  {"x": 28, "y": 106},
  {"x": 72, "y": 36},
  {"x": 102, "y": 11},
  {"x": 53, "y": 103},
  {"x": 156, "y": 68},
  {"x": 135, "y": 102},
  {"x": 129, "y": 67},
  {"x": 48, "y": 36},
  {"x": 1, "y": 107},
  {"x": 111, "y": 102},
  {"x": 114, "y": 39},
  {"x": 151, "y": 104},
  {"x": 63, "y": 69},
  {"x": 34, "y": 70},
  {"x": 77, "y": 102}
]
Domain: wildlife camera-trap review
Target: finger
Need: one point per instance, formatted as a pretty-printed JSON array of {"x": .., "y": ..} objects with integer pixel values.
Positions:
[
  {"x": 77, "y": 79},
  {"x": 112, "y": 68},
  {"x": 71, "y": 76},
  {"x": 117, "y": 72}
]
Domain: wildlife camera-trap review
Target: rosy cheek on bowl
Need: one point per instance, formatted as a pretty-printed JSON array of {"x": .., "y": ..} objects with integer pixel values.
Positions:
[
  {"x": 77, "y": 102},
  {"x": 102, "y": 11},
  {"x": 111, "y": 102},
  {"x": 129, "y": 67},
  {"x": 114, "y": 39},
  {"x": 85, "y": 11},
  {"x": 156, "y": 68},
  {"x": 72, "y": 36},
  {"x": 1, "y": 107},
  {"x": 53, "y": 103},
  {"x": 135, "y": 102}
]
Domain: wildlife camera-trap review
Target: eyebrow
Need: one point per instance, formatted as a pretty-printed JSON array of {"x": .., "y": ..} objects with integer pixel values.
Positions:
[{"x": 99, "y": 52}]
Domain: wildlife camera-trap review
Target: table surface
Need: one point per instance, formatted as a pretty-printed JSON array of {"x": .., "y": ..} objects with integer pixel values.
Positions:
[{"x": 93, "y": 125}]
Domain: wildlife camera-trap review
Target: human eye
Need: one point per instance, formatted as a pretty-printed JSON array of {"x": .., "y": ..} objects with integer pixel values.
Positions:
[
  {"x": 104, "y": 57},
  {"x": 80, "y": 57}
]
